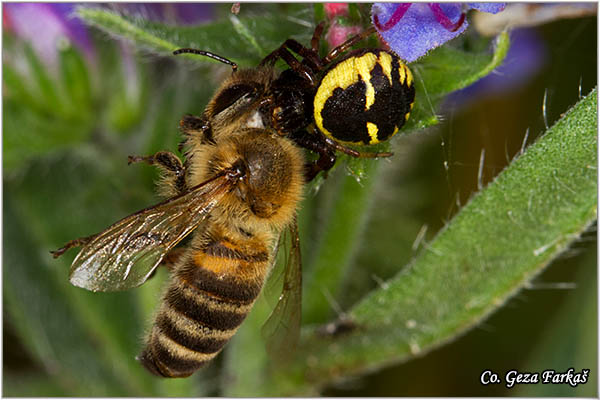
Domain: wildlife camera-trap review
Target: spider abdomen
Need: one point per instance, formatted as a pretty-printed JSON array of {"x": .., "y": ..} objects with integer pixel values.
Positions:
[{"x": 365, "y": 98}]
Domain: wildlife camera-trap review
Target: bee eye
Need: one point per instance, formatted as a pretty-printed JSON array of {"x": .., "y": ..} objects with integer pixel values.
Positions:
[{"x": 242, "y": 92}]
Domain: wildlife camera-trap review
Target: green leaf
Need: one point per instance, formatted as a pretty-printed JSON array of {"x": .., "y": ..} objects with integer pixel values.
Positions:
[
  {"x": 319, "y": 11},
  {"x": 125, "y": 91},
  {"x": 502, "y": 238},
  {"x": 127, "y": 27},
  {"x": 445, "y": 70},
  {"x": 253, "y": 39}
]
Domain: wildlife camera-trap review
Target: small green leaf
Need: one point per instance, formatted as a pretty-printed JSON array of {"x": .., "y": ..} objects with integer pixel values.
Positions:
[
  {"x": 319, "y": 11},
  {"x": 130, "y": 28},
  {"x": 39, "y": 117},
  {"x": 76, "y": 80},
  {"x": 45, "y": 86},
  {"x": 245, "y": 34},
  {"x": 29, "y": 134},
  {"x": 17, "y": 91},
  {"x": 445, "y": 70}
]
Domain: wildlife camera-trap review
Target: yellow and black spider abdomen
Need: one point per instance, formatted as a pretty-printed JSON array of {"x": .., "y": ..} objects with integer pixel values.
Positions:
[{"x": 364, "y": 98}]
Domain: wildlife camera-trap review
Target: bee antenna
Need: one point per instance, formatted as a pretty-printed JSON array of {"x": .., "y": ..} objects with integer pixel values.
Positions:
[{"x": 207, "y": 54}]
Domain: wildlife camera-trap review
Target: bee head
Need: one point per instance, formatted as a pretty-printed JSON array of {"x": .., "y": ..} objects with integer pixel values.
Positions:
[{"x": 238, "y": 99}]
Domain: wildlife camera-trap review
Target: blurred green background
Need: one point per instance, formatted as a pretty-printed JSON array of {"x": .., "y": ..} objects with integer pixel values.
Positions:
[{"x": 70, "y": 122}]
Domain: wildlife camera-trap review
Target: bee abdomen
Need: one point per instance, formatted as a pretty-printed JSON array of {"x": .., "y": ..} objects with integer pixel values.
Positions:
[
  {"x": 201, "y": 310},
  {"x": 190, "y": 329}
]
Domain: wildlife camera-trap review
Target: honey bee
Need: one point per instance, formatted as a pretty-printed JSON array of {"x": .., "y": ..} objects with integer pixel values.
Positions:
[
  {"x": 240, "y": 193},
  {"x": 237, "y": 191}
]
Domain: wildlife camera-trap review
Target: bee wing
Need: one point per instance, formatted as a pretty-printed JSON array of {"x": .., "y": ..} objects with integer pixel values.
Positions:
[
  {"x": 124, "y": 255},
  {"x": 282, "y": 329}
]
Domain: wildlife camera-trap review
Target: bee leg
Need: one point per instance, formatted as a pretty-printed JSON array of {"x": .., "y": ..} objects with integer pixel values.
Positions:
[
  {"x": 193, "y": 126},
  {"x": 170, "y": 164},
  {"x": 73, "y": 243},
  {"x": 172, "y": 258}
]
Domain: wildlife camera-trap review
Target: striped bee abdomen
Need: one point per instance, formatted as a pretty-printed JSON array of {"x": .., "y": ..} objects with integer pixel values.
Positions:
[{"x": 210, "y": 294}]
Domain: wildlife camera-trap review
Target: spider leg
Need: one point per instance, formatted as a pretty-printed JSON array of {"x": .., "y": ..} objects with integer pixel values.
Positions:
[
  {"x": 305, "y": 71},
  {"x": 314, "y": 42},
  {"x": 347, "y": 44},
  {"x": 355, "y": 153},
  {"x": 315, "y": 142}
]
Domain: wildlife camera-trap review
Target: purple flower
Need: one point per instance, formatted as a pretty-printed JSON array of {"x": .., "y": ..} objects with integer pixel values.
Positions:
[
  {"x": 411, "y": 30},
  {"x": 44, "y": 25}
]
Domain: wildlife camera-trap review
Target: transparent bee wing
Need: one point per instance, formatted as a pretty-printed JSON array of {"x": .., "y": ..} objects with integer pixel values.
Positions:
[
  {"x": 282, "y": 329},
  {"x": 124, "y": 255}
]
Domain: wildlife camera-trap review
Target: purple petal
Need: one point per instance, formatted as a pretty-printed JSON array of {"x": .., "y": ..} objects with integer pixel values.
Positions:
[
  {"x": 44, "y": 24},
  {"x": 193, "y": 13},
  {"x": 443, "y": 19},
  {"x": 77, "y": 30},
  {"x": 393, "y": 19},
  {"x": 492, "y": 8},
  {"x": 419, "y": 30}
]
